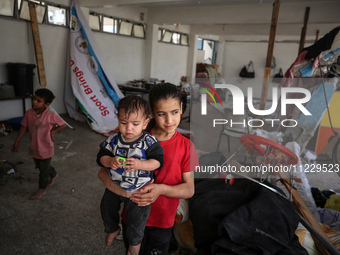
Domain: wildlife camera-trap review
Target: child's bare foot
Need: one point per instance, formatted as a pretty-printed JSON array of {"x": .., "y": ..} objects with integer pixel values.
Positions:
[
  {"x": 52, "y": 180},
  {"x": 110, "y": 237},
  {"x": 39, "y": 194},
  {"x": 134, "y": 250}
]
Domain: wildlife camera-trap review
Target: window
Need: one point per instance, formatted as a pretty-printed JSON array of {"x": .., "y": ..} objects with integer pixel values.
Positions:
[
  {"x": 109, "y": 25},
  {"x": 160, "y": 34},
  {"x": 47, "y": 13},
  {"x": 175, "y": 38},
  {"x": 125, "y": 28},
  {"x": 168, "y": 36},
  {"x": 200, "y": 44},
  {"x": 138, "y": 31},
  {"x": 94, "y": 21},
  {"x": 25, "y": 13},
  {"x": 56, "y": 15},
  {"x": 208, "y": 46},
  {"x": 184, "y": 39},
  {"x": 7, "y": 7}
]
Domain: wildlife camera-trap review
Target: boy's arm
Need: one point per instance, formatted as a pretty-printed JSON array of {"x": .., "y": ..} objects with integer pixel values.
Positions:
[
  {"x": 21, "y": 133},
  {"x": 149, "y": 193},
  {"x": 56, "y": 130},
  {"x": 184, "y": 190},
  {"x": 133, "y": 164},
  {"x": 104, "y": 176}
]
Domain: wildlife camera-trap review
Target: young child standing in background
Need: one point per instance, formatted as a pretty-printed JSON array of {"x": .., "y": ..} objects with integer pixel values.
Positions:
[{"x": 42, "y": 124}]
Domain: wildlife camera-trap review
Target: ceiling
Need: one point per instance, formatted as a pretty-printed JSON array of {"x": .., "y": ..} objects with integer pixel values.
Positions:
[
  {"x": 177, "y": 3},
  {"x": 227, "y": 17}
]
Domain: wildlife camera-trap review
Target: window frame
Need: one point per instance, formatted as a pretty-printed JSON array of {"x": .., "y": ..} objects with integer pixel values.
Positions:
[
  {"x": 118, "y": 25},
  {"x": 18, "y": 7},
  {"x": 14, "y": 4},
  {"x": 178, "y": 35},
  {"x": 100, "y": 17},
  {"x": 200, "y": 48},
  {"x": 40, "y": 3},
  {"x": 140, "y": 25},
  {"x": 213, "y": 48},
  {"x": 115, "y": 24},
  {"x": 187, "y": 39},
  {"x": 163, "y": 35},
  {"x": 172, "y": 33},
  {"x": 67, "y": 15}
]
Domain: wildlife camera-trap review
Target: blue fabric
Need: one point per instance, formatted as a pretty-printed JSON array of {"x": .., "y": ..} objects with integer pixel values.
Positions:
[
  {"x": 327, "y": 56},
  {"x": 307, "y": 70}
]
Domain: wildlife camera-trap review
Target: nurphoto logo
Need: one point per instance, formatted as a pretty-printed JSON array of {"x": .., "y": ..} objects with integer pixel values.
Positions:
[{"x": 238, "y": 105}]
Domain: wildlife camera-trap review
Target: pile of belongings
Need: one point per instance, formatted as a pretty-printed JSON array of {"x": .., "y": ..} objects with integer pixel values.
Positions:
[
  {"x": 320, "y": 60},
  {"x": 243, "y": 218},
  {"x": 312, "y": 59}
]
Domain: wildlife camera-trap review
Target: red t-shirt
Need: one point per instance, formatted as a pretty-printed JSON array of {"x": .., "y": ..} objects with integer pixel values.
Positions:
[
  {"x": 39, "y": 129},
  {"x": 177, "y": 158}
]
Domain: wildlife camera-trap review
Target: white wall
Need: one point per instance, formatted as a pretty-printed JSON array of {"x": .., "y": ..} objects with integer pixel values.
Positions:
[
  {"x": 238, "y": 54},
  {"x": 124, "y": 56},
  {"x": 129, "y": 58},
  {"x": 17, "y": 46},
  {"x": 171, "y": 62},
  {"x": 166, "y": 61}
]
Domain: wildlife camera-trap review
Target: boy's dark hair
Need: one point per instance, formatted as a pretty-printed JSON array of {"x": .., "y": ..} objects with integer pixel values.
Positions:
[
  {"x": 133, "y": 104},
  {"x": 163, "y": 91},
  {"x": 46, "y": 94}
]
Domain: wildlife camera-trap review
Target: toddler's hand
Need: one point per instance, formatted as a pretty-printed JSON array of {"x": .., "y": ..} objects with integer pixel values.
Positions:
[
  {"x": 115, "y": 163},
  {"x": 132, "y": 164}
]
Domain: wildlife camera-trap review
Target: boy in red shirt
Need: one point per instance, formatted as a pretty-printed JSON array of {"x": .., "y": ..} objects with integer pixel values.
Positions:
[{"x": 42, "y": 124}]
